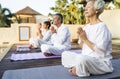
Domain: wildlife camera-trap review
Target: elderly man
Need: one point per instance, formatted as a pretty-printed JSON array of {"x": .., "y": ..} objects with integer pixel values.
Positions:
[{"x": 60, "y": 39}]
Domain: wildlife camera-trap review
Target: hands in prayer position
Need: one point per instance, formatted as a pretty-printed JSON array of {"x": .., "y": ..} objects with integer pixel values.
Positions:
[
  {"x": 53, "y": 30},
  {"x": 39, "y": 32},
  {"x": 82, "y": 34}
]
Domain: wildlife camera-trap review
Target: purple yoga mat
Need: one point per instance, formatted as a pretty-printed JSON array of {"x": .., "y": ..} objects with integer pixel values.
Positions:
[{"x": 29, "y": 56}]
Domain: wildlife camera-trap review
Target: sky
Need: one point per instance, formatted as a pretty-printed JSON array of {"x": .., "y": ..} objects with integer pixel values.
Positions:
[{"x": 41, "y": 6}]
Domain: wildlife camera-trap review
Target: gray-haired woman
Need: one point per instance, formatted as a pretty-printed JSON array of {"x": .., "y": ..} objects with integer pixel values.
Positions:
[{"x": 96, "y": 45}]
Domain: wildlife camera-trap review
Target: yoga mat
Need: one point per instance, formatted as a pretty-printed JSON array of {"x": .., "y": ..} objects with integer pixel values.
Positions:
[
  {"x": 56, "y": 72},
  {"x": 29, "y": 56},
  {"x": 23, "y": 48}
]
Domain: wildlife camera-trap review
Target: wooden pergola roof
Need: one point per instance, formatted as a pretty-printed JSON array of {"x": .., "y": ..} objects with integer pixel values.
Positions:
[{"x": 27, "y": 11}]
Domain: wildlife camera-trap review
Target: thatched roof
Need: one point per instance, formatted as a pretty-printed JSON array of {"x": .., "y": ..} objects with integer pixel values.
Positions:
[{"x": 28, "y": 11}]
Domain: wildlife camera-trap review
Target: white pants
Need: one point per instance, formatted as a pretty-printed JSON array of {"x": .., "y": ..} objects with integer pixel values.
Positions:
[
  {"x": 86, "y": 65},
  {"x": 52, "y": 49},
  {"x": 36, "y": 42}
]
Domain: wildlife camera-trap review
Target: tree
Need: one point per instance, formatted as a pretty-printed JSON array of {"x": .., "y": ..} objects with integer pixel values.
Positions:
[
  {"x": 5, "y": 17},
  {"x": 117, "y": 4},
  {"x": 113, "y": 4},
  {"x": 71, "y": 11}
]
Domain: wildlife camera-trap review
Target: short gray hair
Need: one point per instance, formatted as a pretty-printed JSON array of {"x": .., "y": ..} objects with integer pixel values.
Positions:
[
  {"x": 60, "y": 17},
  {"x": 99, "y": 5}
]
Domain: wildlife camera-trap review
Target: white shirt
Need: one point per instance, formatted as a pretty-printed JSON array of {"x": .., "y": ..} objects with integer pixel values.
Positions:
[
  {"x": 62, "y": 37},
  {"x": 100, "y": 36},
  {"x": 47, "y": 35}
]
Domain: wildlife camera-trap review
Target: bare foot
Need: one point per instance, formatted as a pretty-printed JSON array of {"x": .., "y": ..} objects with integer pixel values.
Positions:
[
  {"x": 73, "y": 71},
  {"x": 30, "y": 46},
  {"x": 48, "y": 54}
]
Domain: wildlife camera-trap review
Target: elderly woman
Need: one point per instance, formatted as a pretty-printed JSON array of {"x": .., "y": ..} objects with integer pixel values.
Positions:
[{"x": 96, "y": 45}]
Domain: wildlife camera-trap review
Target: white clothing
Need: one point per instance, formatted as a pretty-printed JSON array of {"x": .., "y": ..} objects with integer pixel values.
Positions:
[
  {"x": 90, "y": 61},
  {"x": 43, "y": 32},
  {"x": 60, "y": 41},
  {"x": 100, "y": 36},
  {"x": 47, "y": 35},
  {"x": 52, "y": 49},
  {"x": 36, "y": 42},
  {"x": 86, "y": 65}
]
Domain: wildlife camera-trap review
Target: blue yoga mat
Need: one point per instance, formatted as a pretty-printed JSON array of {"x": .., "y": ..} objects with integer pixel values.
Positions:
[{"x": 56, "y": 72}]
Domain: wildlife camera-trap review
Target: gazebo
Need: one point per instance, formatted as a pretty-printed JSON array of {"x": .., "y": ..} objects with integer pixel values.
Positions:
[{"x": 27, "y": 15}]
